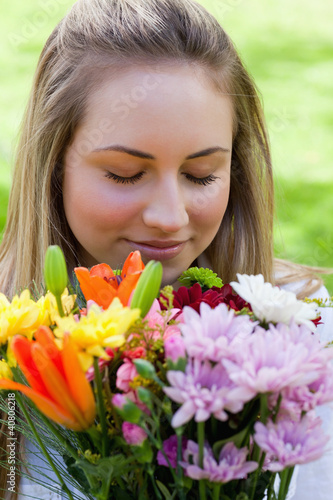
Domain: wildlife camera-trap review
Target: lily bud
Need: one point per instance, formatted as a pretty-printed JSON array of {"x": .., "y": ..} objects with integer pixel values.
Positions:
[
  {"x": 55, "y": 274},
  {"x": 148, "y": 287},
  {"x": 55, "y": 270}
]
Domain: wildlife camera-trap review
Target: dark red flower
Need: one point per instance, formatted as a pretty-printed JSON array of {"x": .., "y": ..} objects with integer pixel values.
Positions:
[
  {"x": 188, "y": 297},
  {"x": 193, "y": 297},
  {"x": 230, "y": 298}
]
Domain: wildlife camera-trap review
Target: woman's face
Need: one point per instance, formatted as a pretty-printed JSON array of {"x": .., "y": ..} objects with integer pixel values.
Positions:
[{"x": 149, "y": 168}]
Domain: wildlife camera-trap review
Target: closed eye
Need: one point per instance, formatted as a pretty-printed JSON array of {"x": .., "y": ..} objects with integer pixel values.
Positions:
[
  {"x": 124, "y": 180},
  {"x": 203, "y": 181}
]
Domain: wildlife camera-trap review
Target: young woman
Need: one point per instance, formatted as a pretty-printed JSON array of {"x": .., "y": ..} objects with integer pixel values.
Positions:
[{"x": 143, "y": 132}]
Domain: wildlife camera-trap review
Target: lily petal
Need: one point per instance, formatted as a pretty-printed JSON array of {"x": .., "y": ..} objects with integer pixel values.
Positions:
[
  {"x": 21, "y": 348},
  {"x": 79, "y": 386},
  {"x": 95, "y": 288},
  {"x": 103, "y": 271},
  {"x": 132, "y": 264},
  {"x": 45, "y": 405},
  {"x": 127, "y": 286},
  {"x": 55, "y": 384},
  {"x": 45, "y": 338}
]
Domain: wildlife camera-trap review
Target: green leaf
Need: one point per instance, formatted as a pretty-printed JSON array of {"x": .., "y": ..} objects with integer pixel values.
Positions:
[
  {"x": 144, "y": 453},
  {"x": 145, "y": 368},
  {"x": 164, "y": 490},
  {"x": 101, "y": 475},
  {"x": 205, "y": 277},
  {"x": 76, "y": 472}
]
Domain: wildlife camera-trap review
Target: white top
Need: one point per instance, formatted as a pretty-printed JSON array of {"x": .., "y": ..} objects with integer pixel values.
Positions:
[
  {"x": 40, "y": 470},
  {"x": 314, "y": 481},
  {"x": 310, "y": 481}
]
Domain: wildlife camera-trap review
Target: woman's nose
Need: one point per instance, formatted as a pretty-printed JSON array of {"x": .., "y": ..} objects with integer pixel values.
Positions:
[{"x": 166, "y": 208}]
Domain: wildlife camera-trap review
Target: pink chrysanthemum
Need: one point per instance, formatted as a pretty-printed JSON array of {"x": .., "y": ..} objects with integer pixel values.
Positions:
[
  {"x": 231, "y": 464},
  {"x": 203, "y": 391},
  {"x": 288, "y": 443},
  {"x": 214, "y": 333},
  {"x": 271, "y": 361},
  {"x": 318, "y": 392}
]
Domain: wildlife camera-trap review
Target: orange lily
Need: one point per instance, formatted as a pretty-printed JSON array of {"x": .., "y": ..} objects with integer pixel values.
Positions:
[
  {"x": 101, "y": 285},
  {"x": 58, "y": 385}
]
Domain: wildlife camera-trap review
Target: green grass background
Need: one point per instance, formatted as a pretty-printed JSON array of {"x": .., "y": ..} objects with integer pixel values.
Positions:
[{"x": 286, "y": 45}]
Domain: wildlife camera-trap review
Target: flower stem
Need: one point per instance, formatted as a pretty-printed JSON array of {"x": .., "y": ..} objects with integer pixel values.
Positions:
[
  {"x": 290, "y": 475},
  {"x": 41, "y": 445},
  {"x": 270, "y": 486},
  {"x": 157, "y": 444},
  {"x": 156, "y": 490},
  {"x": 181, "y": 493},
  {"x": 59, "y": 304},
  {"x": 256, "y": 455},
  {"x": 202, "y": 489},
  {"x": 201, "y": 443},
  {"x": 263, "y": 408},
  {"x": 101, "y": 409},
  {"x": 216, "y": 491},
  {"x": 285, "y": 476}
]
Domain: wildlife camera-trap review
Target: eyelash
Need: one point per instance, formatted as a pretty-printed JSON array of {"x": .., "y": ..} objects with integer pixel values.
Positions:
[
  {"x": 124, "y": 180},
  {"x": 203, "y": 181}
]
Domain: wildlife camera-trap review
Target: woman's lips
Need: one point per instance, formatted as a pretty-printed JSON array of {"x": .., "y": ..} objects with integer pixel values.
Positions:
[{"x": 158, "y": 250}]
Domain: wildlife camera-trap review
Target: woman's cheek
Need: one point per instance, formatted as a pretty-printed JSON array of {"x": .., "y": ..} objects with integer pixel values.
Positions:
[
  {"x": 108, "y": 206},
  {"x": 211, "y": 202}
]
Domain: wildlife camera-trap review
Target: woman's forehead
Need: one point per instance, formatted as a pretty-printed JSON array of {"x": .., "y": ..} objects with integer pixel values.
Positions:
[{"x": 180, "y": 102}]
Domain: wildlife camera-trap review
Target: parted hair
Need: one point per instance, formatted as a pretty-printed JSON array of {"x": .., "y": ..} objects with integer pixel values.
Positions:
[
  {"x": 103, "y": 35},
  {"x": 99, "y": 36}
]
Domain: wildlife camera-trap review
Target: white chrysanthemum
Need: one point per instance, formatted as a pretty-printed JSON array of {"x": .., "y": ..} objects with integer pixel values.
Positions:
[{"x": 272, "y": 304}]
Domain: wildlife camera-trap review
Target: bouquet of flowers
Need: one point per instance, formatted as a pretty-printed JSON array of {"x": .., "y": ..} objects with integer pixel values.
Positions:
[{"x": 207, "y": 392}]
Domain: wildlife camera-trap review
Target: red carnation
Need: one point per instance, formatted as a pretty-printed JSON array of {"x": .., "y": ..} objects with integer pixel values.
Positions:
[{"x": 193, "y": 297}]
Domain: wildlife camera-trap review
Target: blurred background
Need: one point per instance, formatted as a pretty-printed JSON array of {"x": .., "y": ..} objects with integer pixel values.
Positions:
[{"x": 288, "y": 48}]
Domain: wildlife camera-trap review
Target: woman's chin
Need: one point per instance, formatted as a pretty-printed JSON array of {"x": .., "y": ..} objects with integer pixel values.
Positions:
[{"x": 170, "y": 279}]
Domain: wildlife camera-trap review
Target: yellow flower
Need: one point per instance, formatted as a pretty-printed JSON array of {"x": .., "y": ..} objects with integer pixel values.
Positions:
[
  {"x": 5, "y": 371},
  {"x": 49, "y": 309},
  {"x": 22, "y": 315},
  {"x": 68, "y": 301},
  {"x": 99, "y": 329}
]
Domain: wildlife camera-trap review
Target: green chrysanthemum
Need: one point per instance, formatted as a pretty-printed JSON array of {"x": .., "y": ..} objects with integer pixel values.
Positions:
[{"x": 205, "y": 277}]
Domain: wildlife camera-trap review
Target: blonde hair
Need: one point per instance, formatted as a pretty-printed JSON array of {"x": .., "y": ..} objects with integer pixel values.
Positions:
[{"x": 95, "y": 36}]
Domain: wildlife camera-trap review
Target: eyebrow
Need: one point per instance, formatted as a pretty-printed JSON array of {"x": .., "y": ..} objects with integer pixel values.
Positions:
[{"x": 148, "y": 156}]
